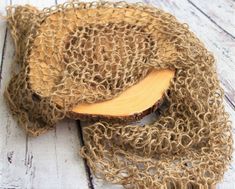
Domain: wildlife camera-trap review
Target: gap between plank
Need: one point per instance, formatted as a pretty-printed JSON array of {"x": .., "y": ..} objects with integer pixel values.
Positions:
[
  {"x": 3, "y": 51},
  {"x": 26, "y": 149},
  {"x": 214, "y": 22},
  {"x": 88, "y": 171},
  {"x": 230, "y": 103},
  {"x": 3, "y": 55}
]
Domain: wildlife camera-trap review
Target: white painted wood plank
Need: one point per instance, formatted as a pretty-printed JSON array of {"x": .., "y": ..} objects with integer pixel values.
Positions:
[
  {"x": 41, "y": 4},
  {"x": 48, "y": 161},
  {"x": 216, "y": 41},
  {"x": 60, "y": 1},
  {"x": 12, "y": 138},
  {"x": 71, "y": 167},
  {"x": 20, "y": 2},
  {"x": 222, "y": 12},
  {"x": 53, "y": 161}
]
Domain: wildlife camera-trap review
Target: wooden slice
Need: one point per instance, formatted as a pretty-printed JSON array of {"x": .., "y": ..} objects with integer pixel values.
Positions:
[
  {"x": 47, "y": 62},
  {"x": 134, "y": 103}
]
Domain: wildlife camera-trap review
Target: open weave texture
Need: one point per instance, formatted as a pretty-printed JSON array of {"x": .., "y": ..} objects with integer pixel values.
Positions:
[{"x": 89, "y": 52}]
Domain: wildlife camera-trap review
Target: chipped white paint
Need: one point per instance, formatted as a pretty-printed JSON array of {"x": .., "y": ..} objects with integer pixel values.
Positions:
[{"x": 52, "y": 160}]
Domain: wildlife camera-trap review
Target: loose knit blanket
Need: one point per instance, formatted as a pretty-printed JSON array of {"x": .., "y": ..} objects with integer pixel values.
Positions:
[{"x": 89, "y": 52}]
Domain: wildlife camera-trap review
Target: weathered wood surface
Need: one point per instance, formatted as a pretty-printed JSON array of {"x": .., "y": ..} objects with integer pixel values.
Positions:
[
  {"x": 52, "y": 160},
  {"x": 221, "y": 13},
  {"x": 214, "y": 38},
  {"x": 48, "y": 161}
]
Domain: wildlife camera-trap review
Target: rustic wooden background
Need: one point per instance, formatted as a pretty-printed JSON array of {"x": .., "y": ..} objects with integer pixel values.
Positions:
[{"x": 52, "y": 160}]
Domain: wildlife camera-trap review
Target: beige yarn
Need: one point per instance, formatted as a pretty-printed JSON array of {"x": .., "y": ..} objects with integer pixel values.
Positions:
[{"x": 88, "y": 52}]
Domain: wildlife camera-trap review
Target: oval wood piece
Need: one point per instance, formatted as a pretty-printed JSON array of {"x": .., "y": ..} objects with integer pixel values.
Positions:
[
  {"x": 137, "y": 101},
  {"x": 48, "y": 65}
]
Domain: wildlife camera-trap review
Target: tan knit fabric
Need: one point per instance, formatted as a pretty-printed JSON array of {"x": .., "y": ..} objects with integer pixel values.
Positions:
[{"x": 89, "y": 52}]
